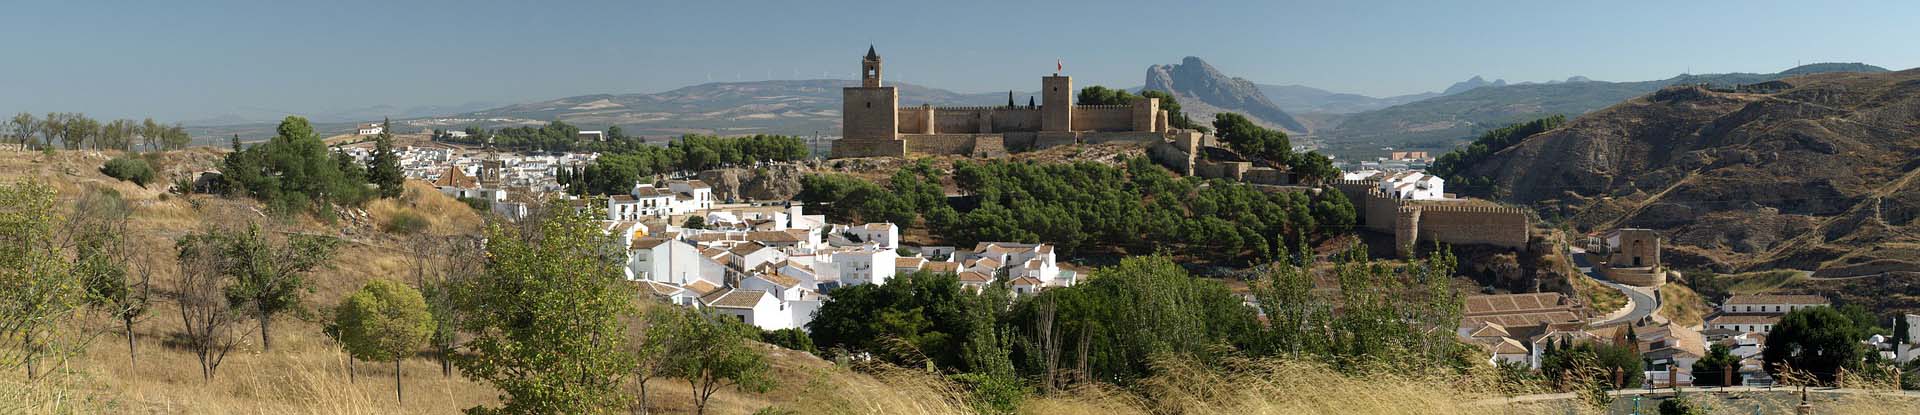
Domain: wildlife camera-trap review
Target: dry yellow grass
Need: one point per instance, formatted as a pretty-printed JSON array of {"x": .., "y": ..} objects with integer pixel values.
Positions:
[{"x": 1681, "y": 305}]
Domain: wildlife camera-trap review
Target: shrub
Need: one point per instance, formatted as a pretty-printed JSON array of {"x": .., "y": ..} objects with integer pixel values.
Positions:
[
  {"x": 129, "y": 169},
  {"x": 404, "y": 223},
  {"x": 478, "y": 204},
  {"x": 795, "y": 339}
]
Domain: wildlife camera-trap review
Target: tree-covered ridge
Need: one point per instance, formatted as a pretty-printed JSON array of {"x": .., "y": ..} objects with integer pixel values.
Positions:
[
  {"x": 1140, "y": 208},
  {"x": 1272, "y": 147},
  {"x": 294, "y": 172},
  {"x": 76, "y": 130},
  {"x": 1127, "y": 317},
  {"x": 1449, "y": 166},
  {"x": 628, "y": 161}
]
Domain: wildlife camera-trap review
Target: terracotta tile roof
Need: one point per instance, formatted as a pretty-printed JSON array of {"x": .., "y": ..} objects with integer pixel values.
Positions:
[
  {"x": 772, "y": 236},
  {"x": 970, "y": 276},
  {"x": 714, "y": 253},
  {"x": 648, "y": 243},
  {"x": 701, "y": 287},
  {"x": 1490, "y": 329},
  {"x": 1508, "y": 345},
  {"x": 454, "y": 177},
  {"x": 797, "y": 265},
  {"x": 1523, "y": 319},
  {"x": 941, "y": 266},
  {"x": 1743, "y": 319},
  {"x": 748, "y": 248},
  {"x": 909, "y": 262},
  {"x": 780, "y": 280},
  {"x": 986, "y": 262},
  {"x": 698, "y": 184},
  {"x": 1515, "y": 303},
  {"x": 877, "y": 226},
  {"x": 663, "y": 289},
  {"x": 1777, "y": 299},
  {"x": 1029, "y": 281},
  {"x": 744, "y": 299}
]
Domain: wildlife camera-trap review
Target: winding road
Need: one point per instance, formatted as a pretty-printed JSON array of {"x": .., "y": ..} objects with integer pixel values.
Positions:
[{"x": 1641, "y": 301}]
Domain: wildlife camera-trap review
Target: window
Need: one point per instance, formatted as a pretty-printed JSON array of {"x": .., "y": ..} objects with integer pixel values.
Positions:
[{"x": 742, "y": 318}]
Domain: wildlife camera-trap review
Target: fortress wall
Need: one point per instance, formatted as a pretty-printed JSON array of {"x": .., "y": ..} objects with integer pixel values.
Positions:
[
  {"x": 1141, "y": 137},
  {"x": 959, "y": 120},
  {"x": 1465, "y": 224},
  {"x": 1019, "y": 141},
  {"x": 844, "y": 148},
  {"x": 1016, "y": 120},
  {"x": 913, "y": 120},
  {"x": 1377, "y": 211},
  {"x": 1230, "y": 170},
  {"x": 1103, "y": 118},
  {"x": 939, "y": 144},
  {"x": 1051, "y": 139},
  {"x": 989, "y": 146},
  {"x": 1268, "y": 176},
  {"x": 1171, "y": 156}
]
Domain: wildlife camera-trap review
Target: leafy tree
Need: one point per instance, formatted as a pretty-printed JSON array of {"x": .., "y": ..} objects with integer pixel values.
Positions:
[
  {"x": 660, "y": 330},
  {"x": 1100, "y": 95},
  {"x": 38, "y": 294},
  {"x": 1128, "y": 314},
  {"x": 1819, "y": 341},
  {"x": 293, "y": 171},
  {"x": 1594, "y": 362},
  {"x": 791, "y": 338},
  {"x": 384, "y": 320},
  {"x": 694, "y": 222},
  {"x": 913, "y": 317},
  {"x": 1711, "y": 370},
  {"x": 1901, "y": 332},
  {"x": 131, "y": 169},
  {"x": 24, "y": 126},
  {"x": 546, "y": 318},
  {"x": 1679, "y": 405},
  {"x": 713, "y": 353},
  {"x": 102, "y": 258},
  {"x": 384, "y": 168},
  {"x": 201, "y": 291},
  {"x": 268, "y": 277},
  {"x": 1252, "y": 140}
]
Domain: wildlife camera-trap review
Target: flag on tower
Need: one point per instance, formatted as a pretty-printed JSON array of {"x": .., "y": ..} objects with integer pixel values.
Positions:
[{"x": 1058, "y": 66}]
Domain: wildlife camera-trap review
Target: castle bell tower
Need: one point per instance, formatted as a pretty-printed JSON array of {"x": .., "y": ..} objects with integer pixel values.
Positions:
[
  {"x": 870, "y": 69},
  {"x": 870, "y": 117}
]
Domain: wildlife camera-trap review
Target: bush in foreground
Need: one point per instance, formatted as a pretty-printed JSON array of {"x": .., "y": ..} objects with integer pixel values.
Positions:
[{"x": 129, "y": 169}]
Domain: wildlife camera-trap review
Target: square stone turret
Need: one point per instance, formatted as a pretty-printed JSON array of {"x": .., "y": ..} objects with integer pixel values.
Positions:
[{"x": 1056, "y": 103}]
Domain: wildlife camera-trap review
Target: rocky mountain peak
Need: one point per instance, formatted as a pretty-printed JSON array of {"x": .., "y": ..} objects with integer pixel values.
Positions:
[{"x": 1204, "y": 90}]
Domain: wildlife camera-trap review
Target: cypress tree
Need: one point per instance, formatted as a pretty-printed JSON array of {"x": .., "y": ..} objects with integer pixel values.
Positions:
[{"x": 384, "y": 168}]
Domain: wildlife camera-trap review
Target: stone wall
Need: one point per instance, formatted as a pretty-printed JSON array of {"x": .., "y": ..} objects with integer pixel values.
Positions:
[
  {"x": 1051, "y": 139},
  {"x": 870, "y": 113},
  {"x": 1056, "y": 106},
  {"x": 1230, "y": 170},
  {"x": 1020, "y": 119},
  {"x": 1103, "y": 118},
  {"x": 844, "y": 148},
  {"x": 1475, "y": 225},
  {"x": 913, "y": 120},
  {"x": 1139, "y": 137},
  {"x": 971, "y": 145},
  {"x": 1267, "y": 176}
]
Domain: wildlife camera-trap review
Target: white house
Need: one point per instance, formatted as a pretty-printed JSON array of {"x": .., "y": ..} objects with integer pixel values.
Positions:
[
  {"x": 754, "y": 307},
  {"x": 751, "y": 255},
  {"x": 865, "y": 266},
  {"x": 1744, "y": 323},
  {"x": 1413, "y": 185},
  {"x": 373, "y": 128},
  {"x": 1021, "y": 260},
  {"x": 883, "y": 235},
  {"x": 593, "y": 135},
  {"x": 690, "y": 196},
  {"x": 1771, "y": 304}
]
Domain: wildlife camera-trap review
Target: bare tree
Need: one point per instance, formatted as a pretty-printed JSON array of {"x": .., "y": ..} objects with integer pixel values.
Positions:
[{"x": 211, "y": 324}]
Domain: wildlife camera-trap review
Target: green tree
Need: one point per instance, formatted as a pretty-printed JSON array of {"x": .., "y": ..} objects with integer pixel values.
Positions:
[
  {"x": 1252, "y": 140},
  {"x": 546, "y": 318},
  {"x": 713, "y": 353},
  {"x": 38, "y": 294},
  {"x": 131, "y": 169},
  {"x": 270, "y": 278},
  {"x": 694, "y": 222},
  {"x": 294, "y": 172},
  {"x": 1100, "y": 95},
  {"x": 384, "y": 167},
  {"x": 1712, "y": 369},
  {"x": 1819, "y": 341},
  {"x": 384, "y": 321},
  {"x": 102, "y": 257},
  {"x": 24, "y": 126}
]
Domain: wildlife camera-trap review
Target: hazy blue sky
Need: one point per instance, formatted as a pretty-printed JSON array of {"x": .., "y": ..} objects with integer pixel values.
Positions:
[{"x": 186, "y": 60}]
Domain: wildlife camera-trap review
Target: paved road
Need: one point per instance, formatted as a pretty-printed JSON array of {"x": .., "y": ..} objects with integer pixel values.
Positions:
[{"x": 1641, "y": 301}]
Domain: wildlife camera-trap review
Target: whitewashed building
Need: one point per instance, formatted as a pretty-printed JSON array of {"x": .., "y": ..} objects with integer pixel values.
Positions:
[{"x": 1414, "y": 185}]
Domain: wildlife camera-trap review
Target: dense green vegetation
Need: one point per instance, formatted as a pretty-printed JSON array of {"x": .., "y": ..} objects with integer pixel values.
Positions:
[
  {"x": 1453, "y": 165},
  {"x": 1140, "y": 208},
  {"x": 384, "y": 321},
  {"x": 616, "y": 172},
  {"x": 1271, "y": 146},
  {"x": 131, "y": 169},
  {"x": 1814, "y": 343},
  {"x": 1591, "y": 365},
  {"x": 294, "y": 172},
  {"x": 1123, "y": 319}
]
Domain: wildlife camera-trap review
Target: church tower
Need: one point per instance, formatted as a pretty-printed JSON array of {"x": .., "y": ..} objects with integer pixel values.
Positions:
[
  {"x": 870, "y": 69},
  {"x": 870, "y": 115}
]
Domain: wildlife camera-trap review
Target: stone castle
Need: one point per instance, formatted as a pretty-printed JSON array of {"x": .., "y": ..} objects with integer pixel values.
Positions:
[{"x": 874, "y": 125}]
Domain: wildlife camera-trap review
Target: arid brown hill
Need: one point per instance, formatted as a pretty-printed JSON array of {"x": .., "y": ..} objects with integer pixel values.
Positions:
[{"x": 1813, "y": 172}]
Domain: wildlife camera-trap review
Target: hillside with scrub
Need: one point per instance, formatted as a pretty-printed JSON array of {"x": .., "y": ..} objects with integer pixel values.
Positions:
[{"x": 346, "y": 292}]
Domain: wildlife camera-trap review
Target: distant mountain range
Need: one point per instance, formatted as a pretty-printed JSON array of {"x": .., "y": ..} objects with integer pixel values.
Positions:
[{"x": 1478, "y": 105}]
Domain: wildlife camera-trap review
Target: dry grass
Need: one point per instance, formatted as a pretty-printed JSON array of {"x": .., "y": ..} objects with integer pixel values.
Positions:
[
  {"x": 1681, "y": 305},
  {"x": 1599, "y": 297}
]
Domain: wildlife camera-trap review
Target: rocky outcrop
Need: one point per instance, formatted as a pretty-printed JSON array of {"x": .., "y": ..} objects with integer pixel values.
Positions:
[
  {"x": 775, "y": 182},
  {"x": 1817, "y": 174},
  {"x": 1204, "y": 91}
]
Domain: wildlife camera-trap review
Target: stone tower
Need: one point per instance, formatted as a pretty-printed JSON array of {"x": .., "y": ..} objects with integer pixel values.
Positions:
[
  {"x": 870, "y": 119},
  {"x": 1056, "y": 103},
  {"x": 870, "y": 69}
]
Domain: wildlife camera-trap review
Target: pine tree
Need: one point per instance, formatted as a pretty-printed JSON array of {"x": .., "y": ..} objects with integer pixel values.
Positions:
[{"x": 384, "y": 168}]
